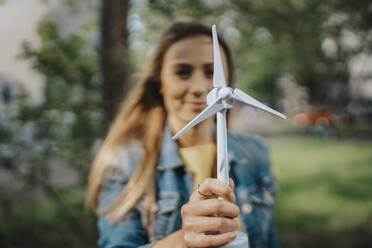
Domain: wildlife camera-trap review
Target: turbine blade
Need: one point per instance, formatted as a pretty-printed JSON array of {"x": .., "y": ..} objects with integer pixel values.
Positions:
[
  {"x": 218, "y": 73},
  {"x": 207, "y": 112},
  {"x": 245, "y": 98}
]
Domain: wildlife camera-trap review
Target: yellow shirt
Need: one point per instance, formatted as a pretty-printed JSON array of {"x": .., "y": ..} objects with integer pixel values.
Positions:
[{"x": 200, "y": 160}]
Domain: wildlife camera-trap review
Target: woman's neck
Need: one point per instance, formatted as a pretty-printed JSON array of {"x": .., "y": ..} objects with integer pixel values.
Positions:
[{"x": 198, "y": 135}]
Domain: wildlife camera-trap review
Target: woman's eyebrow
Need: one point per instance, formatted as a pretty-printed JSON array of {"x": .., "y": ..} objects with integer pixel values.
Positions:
[
  {"x": 187, "y": 65},
  {"x": 182, "y": 65}
]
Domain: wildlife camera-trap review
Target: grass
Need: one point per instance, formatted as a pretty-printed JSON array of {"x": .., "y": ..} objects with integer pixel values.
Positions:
[{"x": 324, "y": 191}]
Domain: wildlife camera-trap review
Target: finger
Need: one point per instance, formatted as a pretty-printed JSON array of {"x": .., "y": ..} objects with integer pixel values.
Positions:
[
  {"x": 203, "y": 240},
  {"x": 211, "y": 207},
  {"x": 212, "y": 186},
  {"x": 204, "y": 224},
  {"x": 231, "y": 184}
]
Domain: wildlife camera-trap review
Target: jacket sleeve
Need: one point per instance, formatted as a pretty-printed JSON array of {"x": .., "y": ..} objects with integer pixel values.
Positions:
[
  {"x": 259, "y": 189},
  {"x": 128, "y": 231},
  {"x": 268, "y": 191},
  {"x": 272, "y": 239}
]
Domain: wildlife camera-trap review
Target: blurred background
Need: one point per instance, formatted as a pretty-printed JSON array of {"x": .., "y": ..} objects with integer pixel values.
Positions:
[{"x": 65, "y": 65}]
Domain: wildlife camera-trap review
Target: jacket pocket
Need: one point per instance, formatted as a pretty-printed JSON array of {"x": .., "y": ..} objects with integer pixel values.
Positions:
[{"x": 167, "y": 213}]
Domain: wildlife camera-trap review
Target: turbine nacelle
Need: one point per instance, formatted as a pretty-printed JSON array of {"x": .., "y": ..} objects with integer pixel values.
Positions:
[{"x": 225, "y": 93}]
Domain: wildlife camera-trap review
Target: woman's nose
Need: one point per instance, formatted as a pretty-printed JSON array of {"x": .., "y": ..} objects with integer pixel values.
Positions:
[{"x": 200, "y": 84}]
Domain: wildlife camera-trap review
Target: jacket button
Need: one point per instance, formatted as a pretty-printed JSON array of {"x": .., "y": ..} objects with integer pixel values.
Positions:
[
  {"x": 154, "y": 208},
  {"x": 247, "y": 208}
]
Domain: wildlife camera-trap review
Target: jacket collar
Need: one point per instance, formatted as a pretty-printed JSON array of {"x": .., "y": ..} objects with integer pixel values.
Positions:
[{"x": 170, "y": 157}]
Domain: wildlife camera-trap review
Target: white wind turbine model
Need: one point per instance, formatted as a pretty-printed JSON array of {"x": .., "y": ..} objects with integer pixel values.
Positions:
[{"x": 219, "y": 100}]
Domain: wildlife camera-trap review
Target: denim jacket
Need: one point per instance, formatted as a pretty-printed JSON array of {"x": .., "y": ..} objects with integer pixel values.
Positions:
[{"x": 254, "y": 189}]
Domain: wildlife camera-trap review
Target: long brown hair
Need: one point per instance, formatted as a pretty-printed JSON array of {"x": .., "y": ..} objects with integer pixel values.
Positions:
[{"x": 141, "y": 117}]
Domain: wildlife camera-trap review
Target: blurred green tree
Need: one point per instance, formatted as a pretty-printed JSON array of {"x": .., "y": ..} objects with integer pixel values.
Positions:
[
  {"x": 43, "y": 208},
  {"x": 305, "y": 39}
]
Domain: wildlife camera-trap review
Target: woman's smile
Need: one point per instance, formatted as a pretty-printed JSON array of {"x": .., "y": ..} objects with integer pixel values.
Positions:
[{"x": 197, "y": 105}]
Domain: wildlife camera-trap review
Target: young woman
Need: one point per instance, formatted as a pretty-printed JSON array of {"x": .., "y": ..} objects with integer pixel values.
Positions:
[{"x": 144, "y": 185}]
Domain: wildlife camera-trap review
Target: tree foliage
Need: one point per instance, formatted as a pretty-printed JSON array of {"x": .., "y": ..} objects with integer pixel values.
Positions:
[
  {"x": 271, "y": 39},
  {"x": 37, "y": 140}
]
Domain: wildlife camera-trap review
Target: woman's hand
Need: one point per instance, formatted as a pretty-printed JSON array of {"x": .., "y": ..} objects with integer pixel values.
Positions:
[{"x": 203, "y": 215}]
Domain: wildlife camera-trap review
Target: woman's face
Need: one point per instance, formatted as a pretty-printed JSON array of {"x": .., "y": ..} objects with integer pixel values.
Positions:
[{"x": 187, "y": 77}]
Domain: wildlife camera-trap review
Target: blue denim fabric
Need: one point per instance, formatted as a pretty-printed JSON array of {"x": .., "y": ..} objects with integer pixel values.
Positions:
[{"x": 249, "y": 168}]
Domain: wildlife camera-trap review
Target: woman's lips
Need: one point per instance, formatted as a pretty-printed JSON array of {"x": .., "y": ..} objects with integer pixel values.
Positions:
[{"x": 197, "y": 105}]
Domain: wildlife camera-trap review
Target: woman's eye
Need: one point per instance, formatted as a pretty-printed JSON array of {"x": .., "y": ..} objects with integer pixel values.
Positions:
[
  {"x": 209, "y": 73},
  {"x": 184, "y": 74}
]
